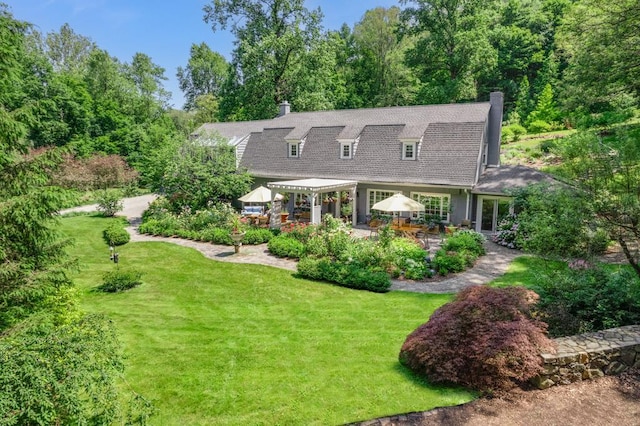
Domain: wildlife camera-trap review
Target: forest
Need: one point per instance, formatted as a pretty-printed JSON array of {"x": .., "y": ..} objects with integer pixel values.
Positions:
[{"x": 561, "y": 64}]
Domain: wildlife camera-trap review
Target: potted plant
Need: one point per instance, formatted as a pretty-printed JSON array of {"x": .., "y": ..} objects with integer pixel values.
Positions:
[
  {"x": 237, "y": 234},
  {"x": 346, "y": 210},
  {"x": 284, "y": 215}
]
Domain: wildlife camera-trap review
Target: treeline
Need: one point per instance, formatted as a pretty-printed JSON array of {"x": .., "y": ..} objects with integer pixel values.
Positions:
[{"x": 560, "y": 63}]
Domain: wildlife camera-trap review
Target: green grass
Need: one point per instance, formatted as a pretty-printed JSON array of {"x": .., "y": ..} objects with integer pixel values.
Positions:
[
  {"x": 228, "y": 344},
  {"x": 526, "y": 270}
]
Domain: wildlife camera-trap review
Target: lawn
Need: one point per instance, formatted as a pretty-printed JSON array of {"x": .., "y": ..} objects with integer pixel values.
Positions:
[{"x": 227, "y": 344}]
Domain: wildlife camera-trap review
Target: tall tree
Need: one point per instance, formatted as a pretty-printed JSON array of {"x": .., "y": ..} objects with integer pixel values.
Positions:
[
  {"x": 452, "y": 47},
  {"x": 147, "y": 77},
  {"x": 273, "y": 41},
  {"x": 601, "y": 41},
  {"x": 379, "y": 59},
  {"x": 607, "y": 170},
  {"x": 204, "y": 74},
  {"x": 67, "y": 50}
]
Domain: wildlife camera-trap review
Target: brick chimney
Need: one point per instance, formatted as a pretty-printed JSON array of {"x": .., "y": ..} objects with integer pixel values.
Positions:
[
  {"x": 496, "y": 100},
  {"x": 285, "y": 108}
]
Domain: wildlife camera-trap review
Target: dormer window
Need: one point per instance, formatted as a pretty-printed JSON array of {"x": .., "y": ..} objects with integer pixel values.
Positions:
[
  {"x": 408, "y": 150},
  {"x": 346, "y": 150},
  {"x": 294, "y": 149}
]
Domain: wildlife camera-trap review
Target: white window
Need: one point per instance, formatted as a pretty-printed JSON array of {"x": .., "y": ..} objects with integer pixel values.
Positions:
[
  {"x": 294, "y": 149},
  {"x": 345, "y": 150},
  {"x": 408, "y": 150},
  {"x": 434, "y": 205},
  {"x": 376, "y": 195}
]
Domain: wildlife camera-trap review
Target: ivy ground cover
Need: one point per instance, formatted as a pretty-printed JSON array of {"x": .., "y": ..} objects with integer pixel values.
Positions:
[{"x": 228, "y": 344}]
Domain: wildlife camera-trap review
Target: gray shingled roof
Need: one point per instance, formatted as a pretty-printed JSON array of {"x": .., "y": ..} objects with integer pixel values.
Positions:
[
  {"x": 451, "y": 142},
  {"x": 497, "y": 180}
]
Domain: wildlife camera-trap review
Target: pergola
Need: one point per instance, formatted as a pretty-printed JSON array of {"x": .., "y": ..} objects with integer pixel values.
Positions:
[{"x": 314, "y": 187}]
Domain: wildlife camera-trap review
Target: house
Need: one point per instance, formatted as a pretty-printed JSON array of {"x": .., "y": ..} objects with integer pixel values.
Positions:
[{"x": 445, "y": 156}]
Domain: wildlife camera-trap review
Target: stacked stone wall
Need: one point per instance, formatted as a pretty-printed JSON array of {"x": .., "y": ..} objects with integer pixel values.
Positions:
[{"x": 591, "y": 355}]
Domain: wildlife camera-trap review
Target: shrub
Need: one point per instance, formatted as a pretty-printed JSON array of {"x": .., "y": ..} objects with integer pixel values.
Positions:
[
  {"x": 286, "y": 246},
  {"x": 216, "y": 236},
  {"x": 300, "y": 231},
  {"x": 513, "y": 133},
  {"x": 317, "y": 246},
  {"x": 470, "y": 241},
  {"x": 255, "y": 236},
  {"x": 116, "y": 235},
  {"x": 586, "y": 298},
  {"x": 548, "y": 145},
  {"x": 343, "y": 274},
  {"x": 507, "y": 232},
  {"x": 109, "y": 202},
  {"x": 486, "y": 339},
  {"x": 409, "y": 257},
  {"x": 120, "y": 280},
  {"x": 310, "y": 267},
  {"x": 337, "y": 242},
  {"x": 446, "y": 262},
  {"x": 158, "y": 209},
  {"x": 539, "y": 126}
]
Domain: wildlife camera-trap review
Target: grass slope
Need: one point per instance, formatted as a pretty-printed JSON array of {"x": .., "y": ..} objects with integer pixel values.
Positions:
[{"x": 228, "y": 344}]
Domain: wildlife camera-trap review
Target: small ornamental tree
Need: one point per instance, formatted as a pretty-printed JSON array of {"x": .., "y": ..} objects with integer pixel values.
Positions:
[{"x": 486, "y": 339}]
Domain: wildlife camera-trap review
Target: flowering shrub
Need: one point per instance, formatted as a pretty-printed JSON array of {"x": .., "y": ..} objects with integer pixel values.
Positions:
[
  {"x": 486, "y": 339},
  {"x": 408, "y": 257},
  {"x": 299, "y": 231},
  {"x": 507, "y": 233}
]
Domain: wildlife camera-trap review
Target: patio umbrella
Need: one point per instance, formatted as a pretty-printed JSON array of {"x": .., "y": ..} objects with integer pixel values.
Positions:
[
  {"x": 259, "y": 195},
  {"x": 398, "y": 203}
]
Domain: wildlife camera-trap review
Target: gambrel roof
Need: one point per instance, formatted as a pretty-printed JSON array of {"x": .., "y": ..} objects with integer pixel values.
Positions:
[{"x": 449, "y": 139}]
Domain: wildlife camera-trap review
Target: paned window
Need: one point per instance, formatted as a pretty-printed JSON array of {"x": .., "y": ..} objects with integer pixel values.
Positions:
[
  {"x": 345, "y": 150},
  {"x": 408, "y": 151},
  {"x": 437, "y": 205},
  {"x": 376, "y": 195},
  {"x": 294, "y": 149}
]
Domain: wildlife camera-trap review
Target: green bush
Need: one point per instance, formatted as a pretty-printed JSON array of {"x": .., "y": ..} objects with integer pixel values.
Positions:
[
  {"x": 409, "y": 257},
  {"x": 343, "y": 274},
  {"x": 548, "y": 146},
  {"x": 513, "y": 133},
  {"x": 254, "y": 236},
  {"x": 586, "y": 298},
  {"x": 158, "y": 209},
  {"x": 539, "y": 126},
  {"x": 446, "y": 262},
  {"x": 109, "y": 202},
  {"x": 286, "y": 246},
  {"x": 116, "y": 235},
  {"x": 310, "y": 267},
  {"x": 317, "y": 246},
  {"x": 337, "y": 242},
  {"x": 216, "y": 235},
  {"x": 120, "y": 280},
  {"x": 470, "y": 241}
]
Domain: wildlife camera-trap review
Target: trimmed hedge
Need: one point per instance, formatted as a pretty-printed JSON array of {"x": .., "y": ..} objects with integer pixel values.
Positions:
[
  {"x": 119, "y": 280},
  {"x": 344, "y": 274},
  {"x": 116, "y": 235},
  {"x": 285, "y": 246}
]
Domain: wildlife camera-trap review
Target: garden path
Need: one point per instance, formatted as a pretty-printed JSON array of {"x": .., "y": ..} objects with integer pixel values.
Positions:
[{"x": 487, "y": 268}]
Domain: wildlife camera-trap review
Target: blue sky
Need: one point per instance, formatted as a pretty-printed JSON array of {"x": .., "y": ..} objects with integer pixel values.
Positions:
[{"x": 162, "y": 29}]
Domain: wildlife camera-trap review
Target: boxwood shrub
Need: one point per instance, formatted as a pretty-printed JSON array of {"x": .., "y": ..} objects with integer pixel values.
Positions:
[
  {"x": 120, "y": 280},
  {"x": 257, "y": 236},
  {"x": 116, "y": 235},
  {"x": 344, "y": 274},
  {"x": 285, "y": 246}
]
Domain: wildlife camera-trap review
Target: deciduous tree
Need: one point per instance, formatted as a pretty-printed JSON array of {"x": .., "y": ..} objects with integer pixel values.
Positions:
[{"x": 203, "y": 76}]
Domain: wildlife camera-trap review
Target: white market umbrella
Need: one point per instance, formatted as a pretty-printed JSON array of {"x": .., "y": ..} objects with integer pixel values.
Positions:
[
  {"x": 398, "y": 203},
  {"x": 259, "y": 195}
]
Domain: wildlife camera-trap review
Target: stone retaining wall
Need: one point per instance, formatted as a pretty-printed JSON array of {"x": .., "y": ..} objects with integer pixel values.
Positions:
[{"x": 590, "y": 355}]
